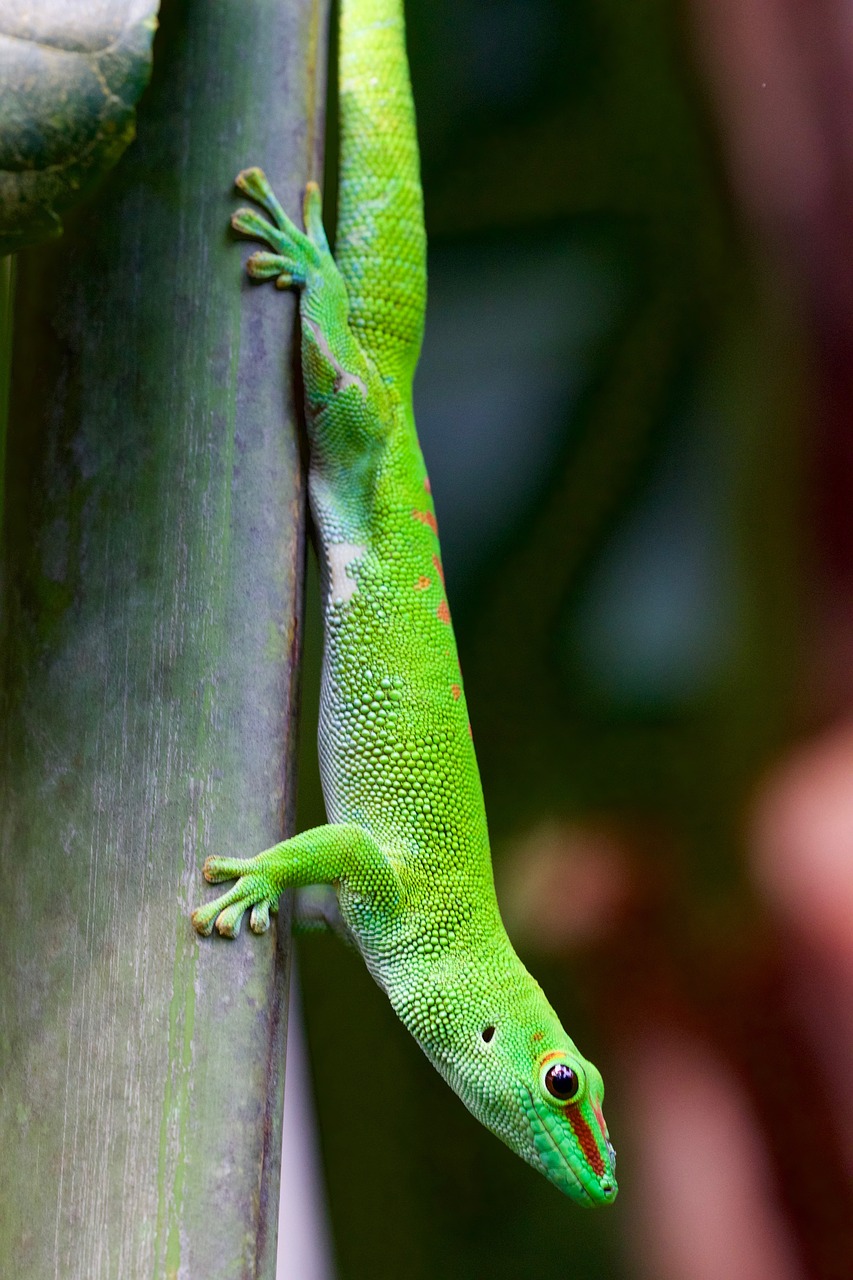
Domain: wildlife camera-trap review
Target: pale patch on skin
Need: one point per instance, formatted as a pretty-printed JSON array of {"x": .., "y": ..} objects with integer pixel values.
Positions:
[
  {"x": 343, "y": 378},
  {"x": 360, "y": 237},
  {"x": 340, "y": 555}
]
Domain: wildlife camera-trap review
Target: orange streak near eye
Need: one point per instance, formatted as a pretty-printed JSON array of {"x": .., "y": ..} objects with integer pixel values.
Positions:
[
  {"x": 443, "y": 612},
  {"x": 555, "y": 1053},
  {"x": 585, "y": 1138}
]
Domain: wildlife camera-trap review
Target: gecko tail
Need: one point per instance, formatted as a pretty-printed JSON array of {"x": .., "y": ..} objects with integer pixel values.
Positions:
[{"x": 381, "y": 242}]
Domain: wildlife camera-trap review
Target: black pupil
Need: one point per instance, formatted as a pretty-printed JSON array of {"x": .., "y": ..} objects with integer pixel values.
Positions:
[{"x": 562, "y": 1082}]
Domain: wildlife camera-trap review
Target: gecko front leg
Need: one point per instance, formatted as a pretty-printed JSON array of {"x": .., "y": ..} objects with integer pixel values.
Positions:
[{"x": 339, "y": 854}]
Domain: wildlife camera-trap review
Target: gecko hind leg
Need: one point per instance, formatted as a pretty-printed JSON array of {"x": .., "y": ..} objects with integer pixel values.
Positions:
[
  {"x": 347, "y": 401},
  {"x": 297, "y": 254},
  {"x": 302, "y": 260}
]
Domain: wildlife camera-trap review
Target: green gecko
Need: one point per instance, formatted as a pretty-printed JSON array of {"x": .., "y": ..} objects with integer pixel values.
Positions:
[{"x": 406, "y": 846}]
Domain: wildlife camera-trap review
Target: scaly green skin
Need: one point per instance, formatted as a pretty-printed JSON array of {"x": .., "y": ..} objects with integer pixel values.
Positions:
[{"x": 407, "y": 846}]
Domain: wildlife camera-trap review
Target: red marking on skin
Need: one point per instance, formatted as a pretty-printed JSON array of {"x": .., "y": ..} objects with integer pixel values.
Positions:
[
  {"x": 600, "y": 1118},
  {"x": 427, "y": 484},
  {"x": 422, "y": 584},
  {"x": 443, "y": 612},
  {"x": 470, "y": 731},
  {"x": 586, "y": 1139},
  {"x": 537, "y": 1036},
  {"x": 439, "y": 569},
  {"x": 456, "y": 691},
  {"x": 427, "y": 518}
]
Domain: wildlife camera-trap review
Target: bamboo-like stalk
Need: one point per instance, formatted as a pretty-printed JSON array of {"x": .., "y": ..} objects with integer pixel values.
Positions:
[
  {"x": 151, "y": 626},
  {"x": 7, "y": 294}
]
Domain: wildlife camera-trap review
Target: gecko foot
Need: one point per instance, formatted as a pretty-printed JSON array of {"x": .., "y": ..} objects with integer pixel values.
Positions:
[
  {"x": 296, "y": 255},
  {"x": 253, "y": 890}
]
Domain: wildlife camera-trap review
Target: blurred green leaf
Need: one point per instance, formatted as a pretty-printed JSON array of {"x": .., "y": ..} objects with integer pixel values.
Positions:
[{"x": 72, "y": 72}]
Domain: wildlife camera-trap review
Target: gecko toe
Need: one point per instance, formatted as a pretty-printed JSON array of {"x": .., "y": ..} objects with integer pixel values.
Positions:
[
  {"x": 269, "y": 266},
  {"x": 228, "y": 921},
  {"x": 202, "y": 921},
  {"x": 259, "y": 920},
  {"x": 254, "y": 183},
  {"x": 216, "y": 869}
]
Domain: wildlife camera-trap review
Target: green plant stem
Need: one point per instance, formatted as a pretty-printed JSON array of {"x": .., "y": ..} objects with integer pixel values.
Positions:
[
  {"x": 153, "y": 568},
  {"x": 7, "y": 295}
]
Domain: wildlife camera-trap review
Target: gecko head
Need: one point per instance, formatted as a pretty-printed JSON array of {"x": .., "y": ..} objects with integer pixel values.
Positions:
[
  {"x": 531, "y": 1087},
  {"x": 562, "y": 1104}
]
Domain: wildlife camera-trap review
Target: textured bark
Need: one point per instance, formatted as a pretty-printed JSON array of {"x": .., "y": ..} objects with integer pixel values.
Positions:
[
  {"x": 151, "y": 575},
  {"x": 72, "y": 72}
]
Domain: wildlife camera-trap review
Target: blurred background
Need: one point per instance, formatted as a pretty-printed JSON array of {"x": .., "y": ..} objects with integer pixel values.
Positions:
[{"x": 634, "y": 401}]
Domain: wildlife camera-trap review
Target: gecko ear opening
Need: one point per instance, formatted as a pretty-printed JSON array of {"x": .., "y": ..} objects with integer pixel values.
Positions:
[{"x": 488, "y": 1033}]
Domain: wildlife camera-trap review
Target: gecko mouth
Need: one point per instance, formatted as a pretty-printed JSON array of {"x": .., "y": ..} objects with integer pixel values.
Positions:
[{"x": 572, "y": 1177}]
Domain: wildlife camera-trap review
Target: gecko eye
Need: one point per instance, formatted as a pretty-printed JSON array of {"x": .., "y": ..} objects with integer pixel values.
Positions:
[
  {"x": 562, "y": 1083},
  {"x": 487, "y": 1034}
]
